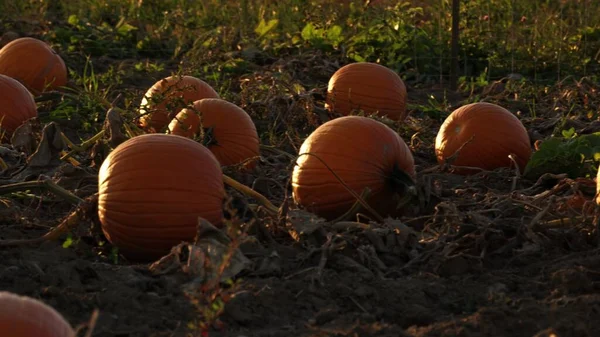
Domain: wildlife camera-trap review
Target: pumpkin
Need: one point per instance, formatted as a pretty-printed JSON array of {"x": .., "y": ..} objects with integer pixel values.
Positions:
[
  {"x": 23, "y": 316},
  {"x": 151, "y": 190},
  {"x": 34, "y": 63},
  {"x": 371, "y": 87},
  {"x": 168, "y": 96},
  {"x": 16, "y": 106},
  {"x": 227, "y": 130},
  {"x": 364, "y": 153},
  {"x": 489, "y": 133}
]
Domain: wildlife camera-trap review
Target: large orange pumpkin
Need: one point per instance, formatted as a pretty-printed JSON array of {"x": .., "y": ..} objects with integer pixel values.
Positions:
[
  {"x": 371, "y": 87},
  {"x": 152, "y": 189},
  {"x": 34, "y": 63},
  {"x": 227, "y": 130},
  {"x": 23, "y": 316},
  {"x": 168, "y": 96},
  {"x": 16, "y": 106},
  {"x": 489, "y": 132},
  {"x": 363, "y": 153}
]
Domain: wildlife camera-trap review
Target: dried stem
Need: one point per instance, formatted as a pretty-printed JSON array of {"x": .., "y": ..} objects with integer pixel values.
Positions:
[
  {"x": 354, "y": 194},
  {"x": 251, "y": 193},
  {"x": 83, "y": 146},
  {"x": 68, "y": 223},
  {"x": 355, "y": 207},
  {"x": 41, "y": 184}
]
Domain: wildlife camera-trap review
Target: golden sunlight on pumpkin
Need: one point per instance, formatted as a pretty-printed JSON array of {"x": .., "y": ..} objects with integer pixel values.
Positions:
[
  {"x": 34, "y": 63},
  {"x": 168, "y": 96},
  {"x": 486, "y": 135},
  {"x": 370, "y": 87},
  {"x": 364, "y": 153},
  {"x": 227, "y": 130},
  {"x": 16, "y": 106},
  {"x": 152, "y": 189}
]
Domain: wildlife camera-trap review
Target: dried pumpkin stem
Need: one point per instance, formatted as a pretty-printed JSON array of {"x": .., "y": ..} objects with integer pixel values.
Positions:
[
  {"x": 355, "y": 207},
  {"x": 251, "y": 193},
  {"x": 276, "y": 150},
  {"x": 354, "y": 194},
  {"x": 41, "y": 184},
  {"x": 71, "y": 221},
  {"x": 454, "y": 156},
  {"x": 83, "y": 146}
]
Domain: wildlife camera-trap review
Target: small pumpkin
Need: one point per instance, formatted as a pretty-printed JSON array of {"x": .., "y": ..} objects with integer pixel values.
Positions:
[
  {"x": 34, "y": 63},
  {"x": 152, "y": 188},
  {"x": 16, "y": 106},
  {"x": 489, "y": 133},
  {"x": 371, "y": 87},
  {"x": 23, "y": 316},
  {"x": 364, "y": 153},
  {"x": 168, "y": 96},
  {"x": 225, "y": 128}
]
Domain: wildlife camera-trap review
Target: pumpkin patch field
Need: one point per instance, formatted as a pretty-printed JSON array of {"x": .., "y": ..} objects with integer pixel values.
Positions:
[{"x": 299, "y": 168}]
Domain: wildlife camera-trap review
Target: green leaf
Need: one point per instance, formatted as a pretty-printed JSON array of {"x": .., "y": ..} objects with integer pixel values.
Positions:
[
  {"x": 308, "y": 32},
  {"x": 573, "y": 155},
  {"x": 125, "y": 29},
  {"x": 334, "y": 35},
  {"x": 73, "y": 20},
  {"x": 68, "y": 242},
  {"x": 568, "y": 133},
  {"x": 265, "y": 27}
]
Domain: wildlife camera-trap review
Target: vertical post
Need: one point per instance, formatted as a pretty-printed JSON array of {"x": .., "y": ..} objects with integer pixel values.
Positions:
[{"x": 454, "y": 45}]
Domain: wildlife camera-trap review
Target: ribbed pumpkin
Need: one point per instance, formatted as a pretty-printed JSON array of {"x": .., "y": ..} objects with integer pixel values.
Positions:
[
  {"x": 363, "y": 153},
  {"x": 16, "y": 106},
  {"x": 494, "y": 134},
  {"x": 168, "y": 96},
  {"x": 152, "y": 189},
  {"x": 34, "y": 63},
  {"x": 23, "y": 316},
  {"x": 370, "y": 87},
  {"x": 228, "y": 131}
]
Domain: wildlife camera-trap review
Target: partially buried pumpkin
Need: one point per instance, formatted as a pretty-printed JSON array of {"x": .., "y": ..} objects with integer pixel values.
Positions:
[
  {"x": 370, "y": 87},
  {"x": 23, "y": 316},
  {"x": 34, "y": 63},
  {"x": 226, "y": 129},
  {"x": 482, "y": 135},
  {"x": 168, "y": 96},
  {"x": 364, "y": 153},
  {"x": 16, "y": 106},
  {"x": 152, "y": 189}
]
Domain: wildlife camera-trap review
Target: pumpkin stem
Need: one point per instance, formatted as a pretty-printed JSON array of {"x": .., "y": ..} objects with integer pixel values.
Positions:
[
  {"x": 247, "y": 191},
  {"x": 208, "y": 138},
  {"x": 403, "y": 184}
]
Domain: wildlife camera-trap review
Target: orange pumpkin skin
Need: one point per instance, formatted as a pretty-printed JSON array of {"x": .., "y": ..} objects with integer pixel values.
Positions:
[
  {"x": 363, "y": 153},
  {"x": 496, "y": 134},
  {"x": 23, "y": 316},
  {"x": 168, "y": 96},
  {"x": 34, "y": 63},
  {"x": 234, "y": 136},
  {"x": 16, "y": 106},
  {"x": 152, "y": 189},
  {"x": 367, "y": 86}
]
